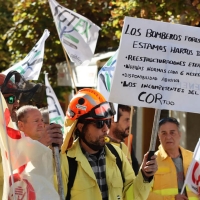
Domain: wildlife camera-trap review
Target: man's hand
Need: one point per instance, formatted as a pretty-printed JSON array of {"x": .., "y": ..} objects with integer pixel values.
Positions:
[
  {"x": 180, "y": 197},
  {"x": 149, "y": 167},
  {"x": 53, "y": 134}
]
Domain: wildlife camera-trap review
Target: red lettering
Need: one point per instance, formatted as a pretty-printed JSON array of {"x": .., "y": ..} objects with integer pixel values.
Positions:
[{"x": 196, "y": 181}]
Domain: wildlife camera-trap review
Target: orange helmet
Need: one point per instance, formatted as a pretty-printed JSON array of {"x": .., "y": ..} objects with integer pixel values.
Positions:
[{"x": 89, "y": 103}]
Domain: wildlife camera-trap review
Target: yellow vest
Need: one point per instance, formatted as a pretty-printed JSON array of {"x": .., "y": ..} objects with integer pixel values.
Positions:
[
  {"x": 165, "y": 179},
  {"x": 125, "y": 150}
]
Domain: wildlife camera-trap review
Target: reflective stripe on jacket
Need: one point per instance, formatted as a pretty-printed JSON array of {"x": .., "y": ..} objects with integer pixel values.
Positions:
[{"x": 165, "y": 185}]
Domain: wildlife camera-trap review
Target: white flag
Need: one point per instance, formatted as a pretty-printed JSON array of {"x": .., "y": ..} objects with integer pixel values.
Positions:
[
  {"x": 56, "y": 114},
  {"x": 104, "y": 80},
  {"x": 27, "y": 164},
  {"x": 105, "y": 76},
  {"x": 193, "y": 174},
  {"x": 31, "y": 65},
  {"x": 77, "y": 34}
]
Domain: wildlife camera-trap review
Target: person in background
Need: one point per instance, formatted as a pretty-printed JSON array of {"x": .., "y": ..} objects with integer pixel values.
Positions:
[
  {"x": 47, "y": 138},
  {"x": 11, "y": 89},
  {"x": 98, "y": 175},
  {"x": 45, "y": 115},
  {"x": 173, "y": 162},
  {"x": 119, "y": 132},
  {"x": 30, "y": 121}
]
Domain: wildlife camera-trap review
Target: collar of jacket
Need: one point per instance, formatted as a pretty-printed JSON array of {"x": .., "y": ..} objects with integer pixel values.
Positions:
[
  {"x": 76, "y": 152},
  {"x": 164, "y": 155}
]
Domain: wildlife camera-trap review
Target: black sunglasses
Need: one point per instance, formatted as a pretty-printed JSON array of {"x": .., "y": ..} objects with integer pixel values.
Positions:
[
  {"x": 10, "y": 99},
  {"x": 100, "y": 123}
]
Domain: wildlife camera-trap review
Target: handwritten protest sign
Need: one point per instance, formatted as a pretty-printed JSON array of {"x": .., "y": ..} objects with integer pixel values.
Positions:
[{"x": 158, "y": 66}]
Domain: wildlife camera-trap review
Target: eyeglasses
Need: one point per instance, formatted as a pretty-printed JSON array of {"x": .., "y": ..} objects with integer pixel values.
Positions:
[
  {"x": 10, "y": 99},
  {"x": 168, "y": 119},
  {"x": 100, "y": 123}
]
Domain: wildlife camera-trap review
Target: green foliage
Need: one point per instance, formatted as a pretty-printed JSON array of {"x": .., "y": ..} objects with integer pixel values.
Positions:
[
  {"x": 175, "y": 11},
  {"x": 32, "y": 17},
  {"x": 6, "y": 10}
]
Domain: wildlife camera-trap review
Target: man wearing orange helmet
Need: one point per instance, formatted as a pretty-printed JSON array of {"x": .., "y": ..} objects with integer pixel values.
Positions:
[{"x": 92, "y": 169}]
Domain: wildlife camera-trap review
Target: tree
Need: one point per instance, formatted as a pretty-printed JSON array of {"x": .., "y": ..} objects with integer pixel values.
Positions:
[
  {"x": 175, "y": 11},
  {"x": 6, "y": 10},
  {"x": 32, "y": 17}
]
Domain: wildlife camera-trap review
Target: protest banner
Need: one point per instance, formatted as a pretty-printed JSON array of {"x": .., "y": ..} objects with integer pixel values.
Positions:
[
  {"x": 77, "y": 34},
  {"x": 158, "y": 66},
  {"x": 31, "y": 65},
  {"x": 27, "y": 164}
]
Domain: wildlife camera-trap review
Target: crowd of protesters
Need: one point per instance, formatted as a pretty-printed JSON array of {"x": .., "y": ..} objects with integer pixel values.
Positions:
[{"x": 95, "y": 162}]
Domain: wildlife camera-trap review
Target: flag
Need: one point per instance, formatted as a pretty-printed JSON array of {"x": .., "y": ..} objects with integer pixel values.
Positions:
[
  {"x": 31, "y": 65},
  {"x": 77, "y": 34},
  {"x": 56, "y": 114},
  {"x": 27, "y": 164},
  {"x": 193, "y": 175},
  {"x": 104, "y": 79},
  {"x": 105, "y": 76}
]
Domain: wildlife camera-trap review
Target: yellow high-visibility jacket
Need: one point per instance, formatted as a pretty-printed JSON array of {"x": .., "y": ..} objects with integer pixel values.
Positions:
[
  {"x": 165, "y": 185},
  {"x": 85, "y": 184},
  {"x": 125, "y": 150}
]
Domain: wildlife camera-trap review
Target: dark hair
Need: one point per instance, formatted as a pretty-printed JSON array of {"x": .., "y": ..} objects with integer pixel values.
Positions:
[
  {"x": 85, "y": 123},
  {"x": 168, "y": 119},
  {"x": 122, "y": 108}
]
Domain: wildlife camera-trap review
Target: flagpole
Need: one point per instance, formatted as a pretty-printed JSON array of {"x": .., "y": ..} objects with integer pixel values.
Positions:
[
  {"x": 56, "y": 156},
  {"x": 58, "y": 171},
  {"x": 154, "y": 133},
  {"x": 69, "y": 68},
  {"x": 8, "y": 147}
]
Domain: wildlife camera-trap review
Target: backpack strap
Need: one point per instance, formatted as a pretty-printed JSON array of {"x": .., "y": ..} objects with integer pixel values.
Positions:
[
  {"x": 72, "y": 173},
  {"x": 118, "y": 159},
  {"x": 73, "y": 169},
  {"x": 120, "y": 145}
]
